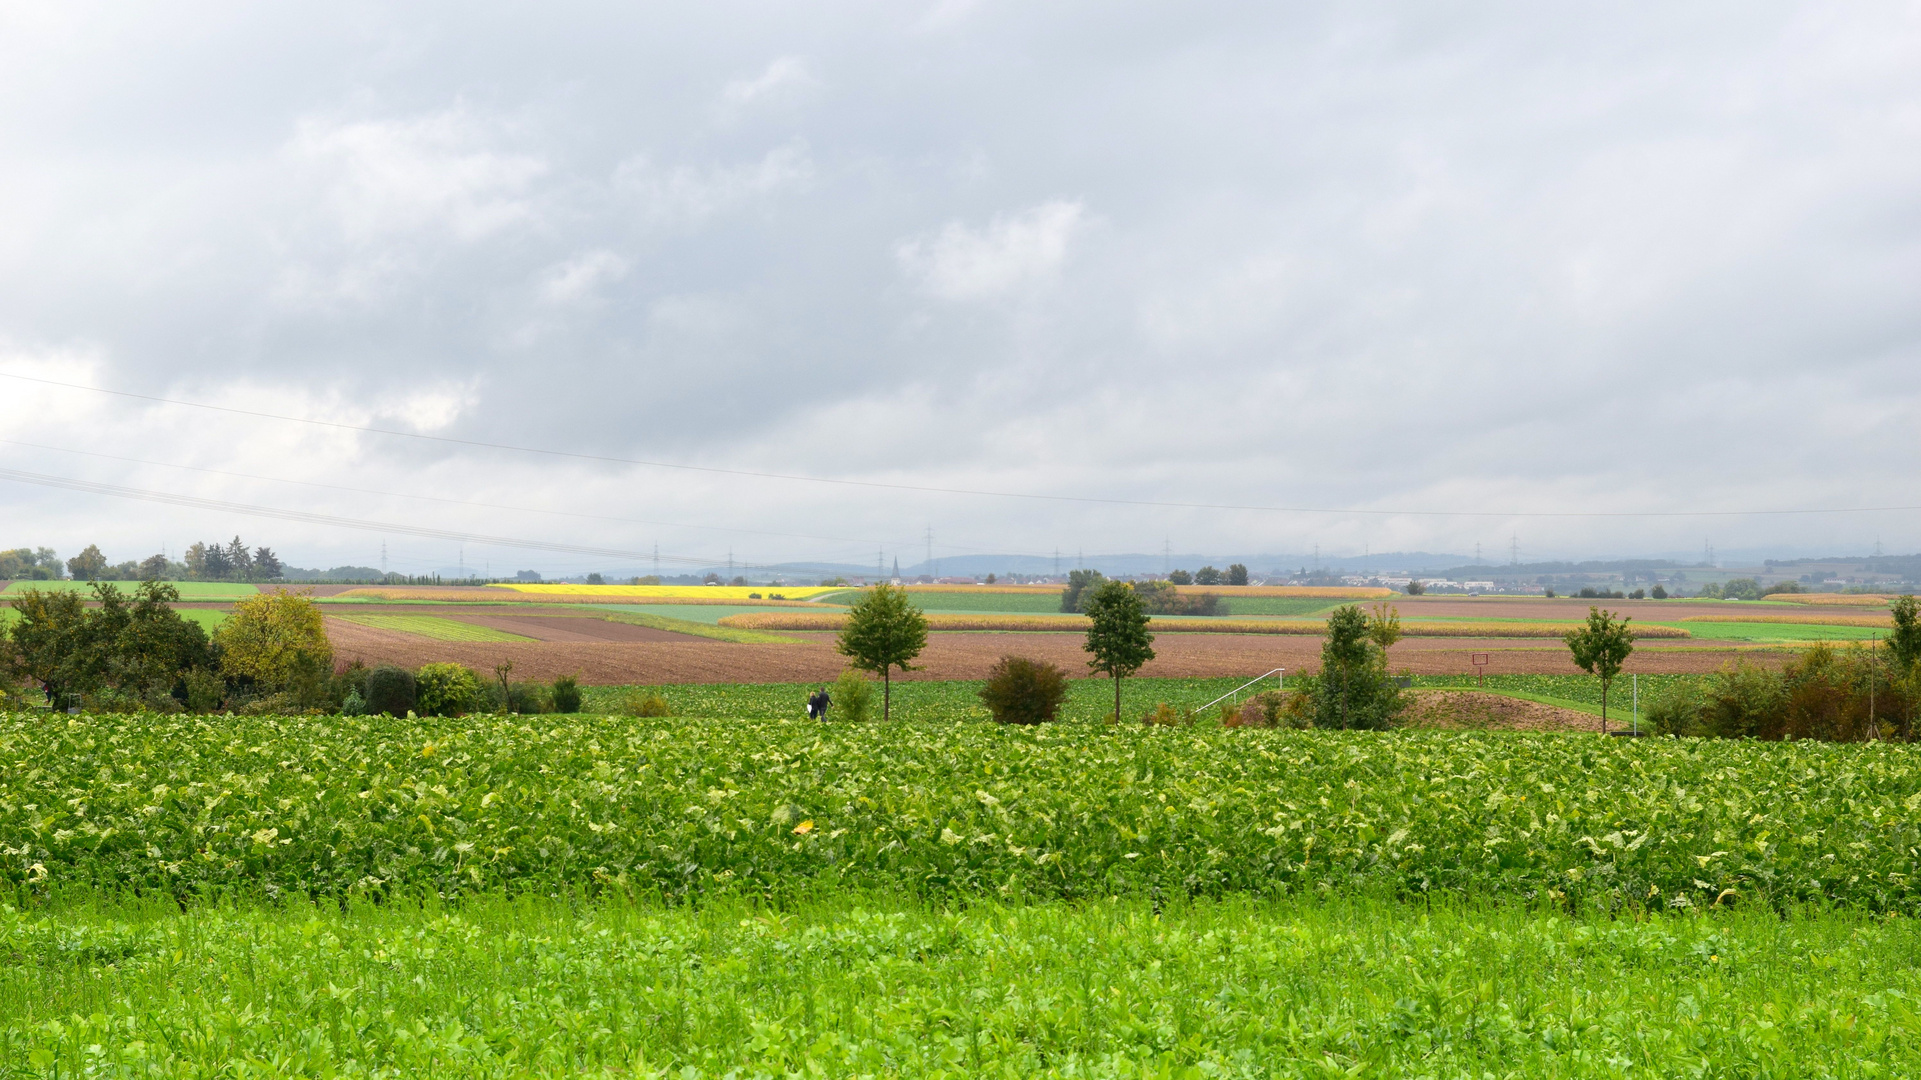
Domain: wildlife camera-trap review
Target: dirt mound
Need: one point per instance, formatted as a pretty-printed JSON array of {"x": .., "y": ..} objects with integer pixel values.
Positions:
[{"x": 1471, "y": 710}]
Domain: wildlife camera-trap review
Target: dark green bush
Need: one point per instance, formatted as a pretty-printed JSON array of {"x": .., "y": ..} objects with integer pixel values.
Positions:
[
  {"x": 1023, "y": 691},
  {"x": 389, "y": 690},
  {"x": 566, "y": 694}
]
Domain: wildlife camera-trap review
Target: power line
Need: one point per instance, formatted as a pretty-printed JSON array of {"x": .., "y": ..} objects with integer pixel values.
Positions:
[{"x": 938, "y": 490}]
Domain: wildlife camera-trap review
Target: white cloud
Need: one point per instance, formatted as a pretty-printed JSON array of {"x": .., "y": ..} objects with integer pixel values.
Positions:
[
  {"x": 687, "y": 195},
  {"x": 1010, "y": 254},
  {"x": 580, "y": 279},
  {"x": 435, "y": 171},
  {"x": 783, "y": 78}
]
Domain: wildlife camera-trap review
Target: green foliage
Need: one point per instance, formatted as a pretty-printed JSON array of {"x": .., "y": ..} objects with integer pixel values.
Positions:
[
  {"x": 1117, "y": 634},
  {"x": 884, "y": 631},
  {"x": 1353, "y": 690},
  {"x": 446, "y": 690},
  {"x": 644, "y": 703},
  {"x": 1161, "y": 598},
  {"x": 1600, "y": 648},
  {"x": 853, "y": 696},
  {"x": 1904, "y": 642},
  {"x": 1822, "y": 694},
  {"x": 1660, "y": 592},
  {"x": 1024, "y": 691},
  {"x": 1181, "y": 577},
  {"x": 390, "y": 690},
  {"x": 276, "y": 640},
  {"x": 87, "y": 565},
  {"x": 1237, "y": 574},
  {"x": 333, "y": 805},
  {"x": 850, "y": 986},
  {"x": 123, "y": 654},
  {"x": 1384, "y": 626},
  {"x": 1207, "y": 575},
  {"x": 1080, "y": 584},
  {"x": 566, "y": 694},
  {"x": 27, "y": 564},
  {"x": 1415, "y": 588}
]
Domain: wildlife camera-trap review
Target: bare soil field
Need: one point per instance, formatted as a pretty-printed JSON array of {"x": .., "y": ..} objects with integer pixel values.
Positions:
[
  {"x": 683, "y": 659},
  {"x": 570, "y": 628},
  {"x": 1466, "y": 710}
]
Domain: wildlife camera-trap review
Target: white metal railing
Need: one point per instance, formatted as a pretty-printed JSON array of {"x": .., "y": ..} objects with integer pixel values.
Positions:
[{"x": 1282, "y": 672}]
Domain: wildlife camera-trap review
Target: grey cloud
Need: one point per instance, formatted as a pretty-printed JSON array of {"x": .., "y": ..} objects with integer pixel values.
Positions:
[{"x": 1461, "y": 257}]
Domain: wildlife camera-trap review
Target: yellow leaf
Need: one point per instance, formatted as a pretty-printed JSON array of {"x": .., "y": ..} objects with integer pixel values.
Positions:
[{"x": 804, "y": 827}]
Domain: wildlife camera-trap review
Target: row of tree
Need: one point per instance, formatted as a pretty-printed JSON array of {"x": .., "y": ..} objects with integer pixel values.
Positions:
[
  {"x": 137, "y": 651},
  {"x": 231, "y": 561},
  {"x": 1236, "y": 574}
]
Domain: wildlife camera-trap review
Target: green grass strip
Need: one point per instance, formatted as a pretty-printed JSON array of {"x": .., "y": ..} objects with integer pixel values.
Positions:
[
  {"x": 852, "y": 985},
  {"x": 432, "y": 626}
]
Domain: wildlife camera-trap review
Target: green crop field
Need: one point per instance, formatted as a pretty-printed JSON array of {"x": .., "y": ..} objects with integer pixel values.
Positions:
[
  {"x": 1778, "y": 632},
  {"x": 1279, "y": 605},
  {"x": 433, "y": 626},
  {"x": 742, "y": 896},
  {"x": 189, "y": 590},
  {"x": 863, "y": 986},
  {"x": 711, "y": 614},
  {"x": 1009, "y": 603},
  {"x": 345, "y": 805}
]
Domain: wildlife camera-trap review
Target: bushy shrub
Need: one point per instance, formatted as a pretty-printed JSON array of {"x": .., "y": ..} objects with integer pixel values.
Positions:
[
  {"x": 1161, "y": 598},
  {"x": 1353, "y": 689},
  {"x": 352, "y": 704},
  {"x": 853, "y": 696},
  {"x": 275, "y": 640},
  {"x": 1273, "y": 708},
  {"x": 446, "y": 690},
  {"x": 202, "y": 691},
  {"x": 643, "y": 703},
  {"x": 1024, "y": 691},
  {"x": 390, "y": 690},
  {"x": 1164, "y": 715},
  {"x": 566, "y": 694}
]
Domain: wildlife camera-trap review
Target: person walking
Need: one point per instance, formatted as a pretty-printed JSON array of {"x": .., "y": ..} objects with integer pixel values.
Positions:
[{"x": 817, "y": 703}]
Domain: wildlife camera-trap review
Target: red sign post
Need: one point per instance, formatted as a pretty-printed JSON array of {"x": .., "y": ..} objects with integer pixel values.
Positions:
[{"x": 1480, "y": 660}]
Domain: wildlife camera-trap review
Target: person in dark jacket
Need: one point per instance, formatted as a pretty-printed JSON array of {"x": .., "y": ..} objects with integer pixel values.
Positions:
[{"x": 817, "y": 703}]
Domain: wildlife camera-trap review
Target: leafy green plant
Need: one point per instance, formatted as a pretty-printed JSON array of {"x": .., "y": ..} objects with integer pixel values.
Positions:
[
  {"x": 853, "y": 697},
  {"x": 566, "y": 694},
  {"x": 1024, "y": 691},
  {"x": 641, "y": 703},
  {"x": 446, "y": 690},
  {"x": 390, "y": 690}
]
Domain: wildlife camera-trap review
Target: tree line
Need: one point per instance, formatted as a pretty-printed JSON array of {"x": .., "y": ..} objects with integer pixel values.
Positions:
[{"x": 230, "y": 561}]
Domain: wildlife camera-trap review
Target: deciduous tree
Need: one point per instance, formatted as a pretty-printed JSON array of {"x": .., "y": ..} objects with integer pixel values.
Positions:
[
  {"x": 274, "y": 639},
  {"x": 884, "y": 631},
  {"x": 88, "y": 565},
  {"x": 1600, "y": 648},
  {"x": 1117, "y": 635},
  {"x": 1236, "y": 574}
]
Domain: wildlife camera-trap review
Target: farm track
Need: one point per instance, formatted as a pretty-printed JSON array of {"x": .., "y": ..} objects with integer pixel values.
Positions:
[{"x": 686, "y": 659}]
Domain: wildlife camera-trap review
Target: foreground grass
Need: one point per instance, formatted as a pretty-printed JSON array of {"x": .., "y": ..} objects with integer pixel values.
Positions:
[{"x": 847, "y": 986}]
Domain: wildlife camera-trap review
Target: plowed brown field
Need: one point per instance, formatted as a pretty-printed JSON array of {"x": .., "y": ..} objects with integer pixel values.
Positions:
[{"x": 968, "y": 656}]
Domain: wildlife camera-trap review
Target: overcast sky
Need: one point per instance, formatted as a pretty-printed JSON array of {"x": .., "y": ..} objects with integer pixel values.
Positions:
[{"x": 1498, "y": 259}]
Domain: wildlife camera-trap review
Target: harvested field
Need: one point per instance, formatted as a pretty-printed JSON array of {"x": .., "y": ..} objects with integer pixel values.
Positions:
[
  {"x": 811, "y": 656},
  {"x": 833, "y": 620},
  {"x": 1882, "y": 622},
  {"x": 572, "y": 628},
  {"x": 471, "y": 595},
  {"x": 1833, "y": 599},
  {"x": 1469, "y": 710},
  {"x": 432, "y": 627}
]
